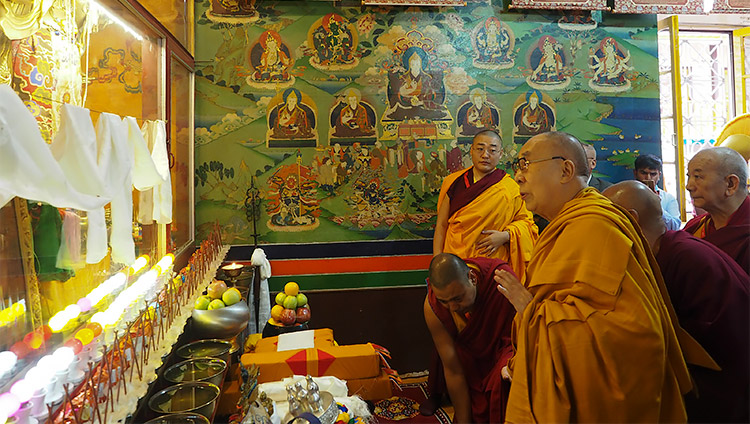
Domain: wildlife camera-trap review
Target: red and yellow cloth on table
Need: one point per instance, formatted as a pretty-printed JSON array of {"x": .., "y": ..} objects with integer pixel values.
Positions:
[
  {"x": 322, "y": 337},
  {"x": 344, "y": 362}
]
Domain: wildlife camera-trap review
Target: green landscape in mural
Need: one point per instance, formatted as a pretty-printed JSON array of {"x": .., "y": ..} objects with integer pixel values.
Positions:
[{"x": 346, "y": 119}]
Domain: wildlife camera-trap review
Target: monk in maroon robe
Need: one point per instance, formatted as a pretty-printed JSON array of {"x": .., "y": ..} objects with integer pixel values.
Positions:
[
  {"x": 717, "y": 182},
  {"x": 710, "y": 295},
  {"x": 470, "y": 322}
]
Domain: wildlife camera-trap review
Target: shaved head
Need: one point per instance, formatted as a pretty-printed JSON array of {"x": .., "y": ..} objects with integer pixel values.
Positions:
[
  {"x": 551, "y": 169},
  {"x": 590, "y": 152},
  {"x": 446, "y": 268},
  {"x": 569, "y": 147},
  {"x": 725, "y": 162},
  {"x": 639, "y": 198},
  {"x": 489, "y": 134}
]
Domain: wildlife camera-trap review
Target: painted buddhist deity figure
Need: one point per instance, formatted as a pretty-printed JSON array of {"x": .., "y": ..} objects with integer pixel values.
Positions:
[
  {"x": 548, "y": 65},
  {"x": 227, "y": 11},
  {"x": 577, "y": 20},
  {"x": 353, "y": 118},
  {"x": 532, "y": 116},
  {"x": 271, "y": 60},
  {"x": 477, "y": 115},
  {"x": 334, "y": 42},
  {"x": 291, "y": 119},
  {"x": 493, "y": 45},
  {"x": 609, "y": 63},
  {"x": 416, "y": 93}
]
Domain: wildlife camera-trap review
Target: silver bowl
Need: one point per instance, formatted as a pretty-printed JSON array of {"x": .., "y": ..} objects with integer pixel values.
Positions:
[
  {"x": 221, "y": 323},
  {"x": 210, "y": 370},
  {"x": 197, "y": 397},
  {"x": 210, "y": 348},
  {"x": 180, "y": 419}
]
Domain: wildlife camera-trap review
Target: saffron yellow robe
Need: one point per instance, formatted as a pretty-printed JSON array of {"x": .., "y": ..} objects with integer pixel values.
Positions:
[
  {"x": 599, "y": 340},
  {"x": 501, "y": 208}
]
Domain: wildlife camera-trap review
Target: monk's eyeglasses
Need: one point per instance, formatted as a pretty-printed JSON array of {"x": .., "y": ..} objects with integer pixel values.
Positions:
[
  {"x": 482, "y": 150},
  {"x": 522, "y": 164}
]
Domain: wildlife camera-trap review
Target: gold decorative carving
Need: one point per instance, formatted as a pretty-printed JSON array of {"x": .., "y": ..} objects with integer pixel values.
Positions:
[{"x": 26, "y": 244}]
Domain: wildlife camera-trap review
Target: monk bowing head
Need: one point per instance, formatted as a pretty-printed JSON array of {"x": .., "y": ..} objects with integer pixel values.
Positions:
[
  {"x": 550, "y": 170},
  {"x": 452, "y": 282},
  {"x": 642, "y": 203},
  {"x": 717, "y": 179}
]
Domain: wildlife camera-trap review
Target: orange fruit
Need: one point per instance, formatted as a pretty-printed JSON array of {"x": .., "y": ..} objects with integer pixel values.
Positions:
[
  {"x": 291, "y": 288},
  {"x": 276, "y": 312}
]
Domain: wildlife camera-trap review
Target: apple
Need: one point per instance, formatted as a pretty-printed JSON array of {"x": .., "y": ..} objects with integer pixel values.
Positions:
[
  {"x": 217, "y": 289},
  {"x": 288, "y": 316},
  {"x": 215, "y": 304},
  {"x": 231, "y": 296},
  {"x": 276, "y": 312},
  {"x": 301, "y": 300},
  {"x": 290, "y": 302},
  {"x": 303, "y": 315},
  {"x": 291, "y": 288},
  {"x": 280, "y": 298},
  {"x": 202, "y": 303}
]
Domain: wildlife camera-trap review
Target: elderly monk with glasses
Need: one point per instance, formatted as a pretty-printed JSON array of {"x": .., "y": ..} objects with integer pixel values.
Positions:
[{"x": 596, "y": 337}]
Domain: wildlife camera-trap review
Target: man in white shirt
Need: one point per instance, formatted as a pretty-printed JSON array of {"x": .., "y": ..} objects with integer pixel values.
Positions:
[{"x": 648, "y": 171}]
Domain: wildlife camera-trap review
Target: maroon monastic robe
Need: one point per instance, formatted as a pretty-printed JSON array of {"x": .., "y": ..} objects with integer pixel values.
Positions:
[
  {"x": 710, "y": 294},
  {"x": 464, "y": 189},
  {"x": 483, "y": 346},
  {"x": 734, "y": 238}
]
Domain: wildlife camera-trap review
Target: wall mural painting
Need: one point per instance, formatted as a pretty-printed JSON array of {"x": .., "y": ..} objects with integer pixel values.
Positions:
[
  {"x": 270, "y": 60},
  {"x": 334, "y": 43},
  {"x": 610, "y": 64},
  {"x": 416, "y": 93},
  {"x": 352, "y": 120},
  {"x": 533, "y": 113},
  {"x": 292, "y": 204},
  {"x": 548, "y": 63},
  {"x": 292, "y": 120},
  {"x": 476, "y": 115},
  {"x": 493, "y": 43},
  {"x": 349, "y": 118},
  {"x": 232, "y": 11}
]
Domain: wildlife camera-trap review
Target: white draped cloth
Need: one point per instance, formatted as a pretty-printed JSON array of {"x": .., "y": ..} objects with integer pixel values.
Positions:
[
  {"x": 27, "y": 167},
  {"x": 155, "y": 204},
  {"x": 264, "y": 305}
]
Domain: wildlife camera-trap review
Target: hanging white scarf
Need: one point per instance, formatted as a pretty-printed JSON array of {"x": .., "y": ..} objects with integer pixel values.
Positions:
[{"x": 27, "y": 166}]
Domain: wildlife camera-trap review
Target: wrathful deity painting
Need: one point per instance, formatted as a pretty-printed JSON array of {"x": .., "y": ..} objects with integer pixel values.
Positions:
[
  {"x": 347, "y": 119},
  {"x": 334, "y": 42}
]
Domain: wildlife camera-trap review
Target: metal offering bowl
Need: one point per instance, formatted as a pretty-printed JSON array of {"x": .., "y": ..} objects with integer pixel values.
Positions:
[
  {"x": 221, "y": 323},
  {"x": 211, "y": 348},
  {"x": 198, "y": 397},
  {"x": 180, "y": 419},
  {"x": 232, "y": 271},
  {"x": 201, "y": 369}
]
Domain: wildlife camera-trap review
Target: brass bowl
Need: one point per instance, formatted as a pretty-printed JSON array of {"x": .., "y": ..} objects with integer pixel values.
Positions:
[
  {"x": 198, "y": 397},
  {"x": 180, "y": 419},
  {"x": 210, "y": 348},
  {"x": 210, "y": 370},
  {"x": 221, "y": 323},
  {"x": 232, "y": 272}
]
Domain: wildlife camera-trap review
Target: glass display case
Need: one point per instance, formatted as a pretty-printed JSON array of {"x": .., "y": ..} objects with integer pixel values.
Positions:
[{"x": 76, "y": 65}]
